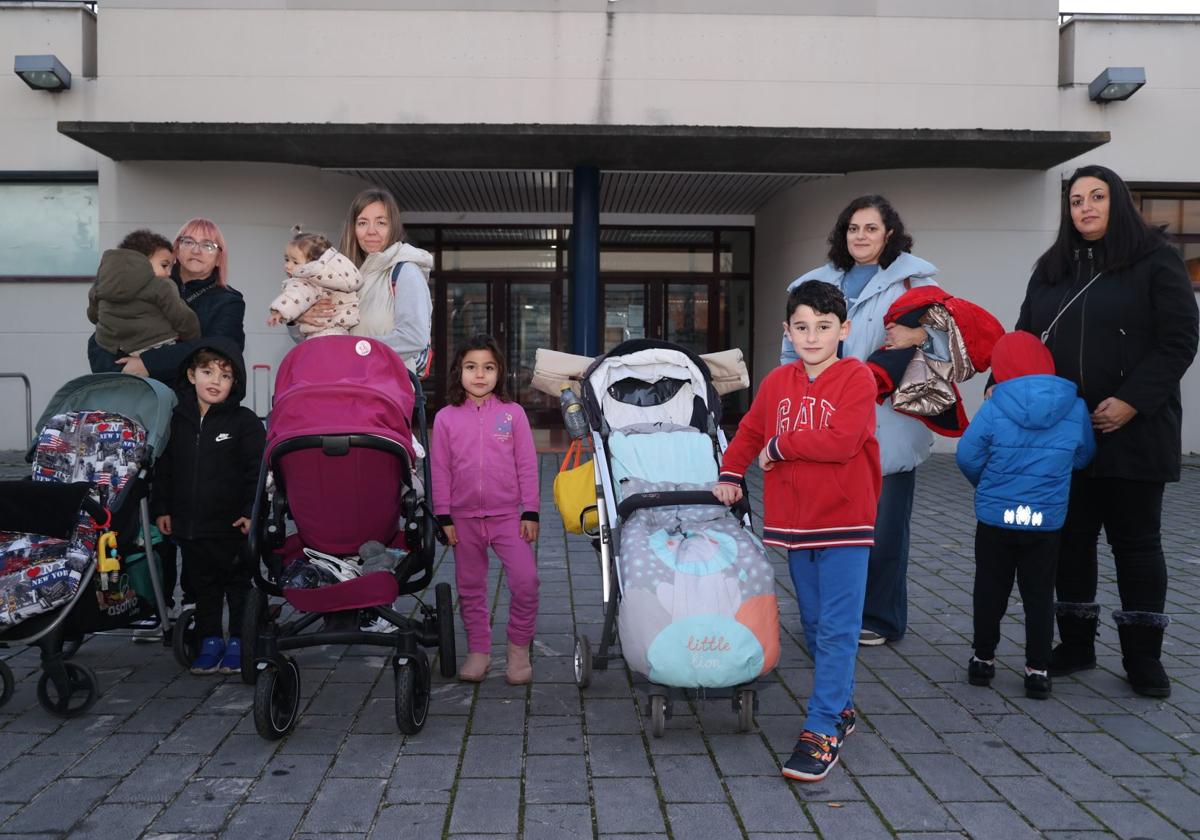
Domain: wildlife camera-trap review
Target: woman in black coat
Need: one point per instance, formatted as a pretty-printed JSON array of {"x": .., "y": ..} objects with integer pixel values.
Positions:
[
  {"x": 201, "y": 263},
  {"x": 1113, "y": 302}
]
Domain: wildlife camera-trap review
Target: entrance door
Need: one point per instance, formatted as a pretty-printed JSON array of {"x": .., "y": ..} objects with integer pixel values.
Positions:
[
  {"x": 520, "y": 313},
  {"x": 675, "y": 310}
]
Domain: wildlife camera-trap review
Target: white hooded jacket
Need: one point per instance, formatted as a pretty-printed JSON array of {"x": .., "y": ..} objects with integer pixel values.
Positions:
[{"x": 402, "y": 316}]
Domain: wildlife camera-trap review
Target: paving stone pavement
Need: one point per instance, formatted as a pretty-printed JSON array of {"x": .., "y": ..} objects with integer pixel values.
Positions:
[{"x": 165, "y": 754}]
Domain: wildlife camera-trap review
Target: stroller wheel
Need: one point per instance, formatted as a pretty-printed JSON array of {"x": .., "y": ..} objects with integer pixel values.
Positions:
[
  {"x": 83, "y": 688},
  {"x": 183, "y": 639},
  {"x": 745, "y": 709},
  {"x": 583, "y": 662},
  {"x": 277, "y": 699},
  {"x": 445, "y": 627},
  {"x": 7, "y": 683},
  {"x": 658, "y": 715},
  {"x": 412, "y": 693},
  {"x": 252, "y": 620}
]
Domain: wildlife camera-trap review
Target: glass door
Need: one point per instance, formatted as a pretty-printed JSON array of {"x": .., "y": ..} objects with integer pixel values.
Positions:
[
  {"x": 519, "y": 312},
  {"x": 529, "y": 322}
]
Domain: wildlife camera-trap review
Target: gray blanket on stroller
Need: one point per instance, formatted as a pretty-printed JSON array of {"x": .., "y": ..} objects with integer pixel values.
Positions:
[{"x": 698, "y": 602}]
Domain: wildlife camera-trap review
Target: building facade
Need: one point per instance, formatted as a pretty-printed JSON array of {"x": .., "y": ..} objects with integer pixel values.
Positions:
[{"x": 718, "y": 147}]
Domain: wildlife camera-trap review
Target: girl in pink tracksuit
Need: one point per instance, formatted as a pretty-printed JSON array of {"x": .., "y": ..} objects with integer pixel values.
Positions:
[{"x": 485, "y": 493}]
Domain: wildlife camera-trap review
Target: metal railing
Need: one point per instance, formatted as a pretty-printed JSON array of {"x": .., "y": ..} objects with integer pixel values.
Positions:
[{"x": 28, "y": 403}]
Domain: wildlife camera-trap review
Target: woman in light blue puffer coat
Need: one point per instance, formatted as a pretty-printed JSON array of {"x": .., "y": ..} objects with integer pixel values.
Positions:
[{"x": 870, "y": 261}]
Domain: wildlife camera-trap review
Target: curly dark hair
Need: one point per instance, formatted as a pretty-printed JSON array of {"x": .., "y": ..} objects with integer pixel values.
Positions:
[
  {"x": 821, "y": 297},
  {"x": 146, "y": 242},
  {"x": 898, "y": 241},
  {"x": 1127, "y": 238},
  {"x": 455, "y": 393}
]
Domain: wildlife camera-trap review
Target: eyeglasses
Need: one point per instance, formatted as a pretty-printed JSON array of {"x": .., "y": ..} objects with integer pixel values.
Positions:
[{"x": 207, "y": 245}]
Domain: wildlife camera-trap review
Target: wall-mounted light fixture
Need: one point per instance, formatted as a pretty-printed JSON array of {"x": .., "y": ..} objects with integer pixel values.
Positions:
[
  {"x": 43, "y": 72},
  {"x": 1116, "y": 84}
]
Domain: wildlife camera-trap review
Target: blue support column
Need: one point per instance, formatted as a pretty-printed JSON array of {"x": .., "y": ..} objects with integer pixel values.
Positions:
[{"x": 585, "y": 261}]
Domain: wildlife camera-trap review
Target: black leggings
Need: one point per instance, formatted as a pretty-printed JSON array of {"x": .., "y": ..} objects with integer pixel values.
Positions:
[
  {"x": 1030, "y": 555},
  {"x": 1131, "y": 514}
]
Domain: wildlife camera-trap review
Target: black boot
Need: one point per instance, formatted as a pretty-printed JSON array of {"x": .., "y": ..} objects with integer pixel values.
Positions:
[
  {"x": 1077, "y": 630},
  {"x": 1141, "y": 648}
]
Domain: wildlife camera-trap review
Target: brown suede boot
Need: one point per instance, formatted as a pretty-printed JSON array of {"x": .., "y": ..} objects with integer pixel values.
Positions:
[
  {"x": 520, "y": 669},
  {"x": 475, "y": 668}
]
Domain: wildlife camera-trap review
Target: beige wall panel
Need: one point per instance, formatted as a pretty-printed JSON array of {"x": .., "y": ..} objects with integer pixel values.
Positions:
[
  {"x": 29, "y": 138},
  {"x": 509, "y": 67}
]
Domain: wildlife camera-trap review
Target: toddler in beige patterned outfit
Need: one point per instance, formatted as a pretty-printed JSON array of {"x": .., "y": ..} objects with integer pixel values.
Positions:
[{"x": 317, "y": 271}]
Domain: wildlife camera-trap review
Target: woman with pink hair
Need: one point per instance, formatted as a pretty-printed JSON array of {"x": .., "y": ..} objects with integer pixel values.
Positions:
[{"x": 200, "y": 272}]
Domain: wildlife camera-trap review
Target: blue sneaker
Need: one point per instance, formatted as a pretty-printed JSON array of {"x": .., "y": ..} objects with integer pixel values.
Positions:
[
  {"x": 231, "y": 662},
  {"x": 209, "y": 659},
  {"x": 815, "y": 755}
]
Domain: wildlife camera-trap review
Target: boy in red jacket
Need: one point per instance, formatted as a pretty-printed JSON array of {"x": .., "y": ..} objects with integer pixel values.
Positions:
[{"x": 812, "y": 428}]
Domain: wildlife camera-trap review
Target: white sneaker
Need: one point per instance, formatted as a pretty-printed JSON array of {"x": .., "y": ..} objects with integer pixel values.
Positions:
[
  {"x": 379, "y": 625},
  {"x": 869, "y": 638},
  {"x": 147, "y": 631}
]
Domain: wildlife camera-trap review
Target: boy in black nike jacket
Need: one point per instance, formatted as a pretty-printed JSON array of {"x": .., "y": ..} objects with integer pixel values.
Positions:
[{"x": 203, "y": 490}]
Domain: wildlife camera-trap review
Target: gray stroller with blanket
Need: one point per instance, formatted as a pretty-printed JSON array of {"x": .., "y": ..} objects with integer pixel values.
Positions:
[{"x": 694, "y": 604}]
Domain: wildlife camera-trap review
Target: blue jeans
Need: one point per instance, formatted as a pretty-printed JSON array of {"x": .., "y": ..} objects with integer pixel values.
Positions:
[
  {"x": 829, "y": 586},
  {"x": 886, "y": 608}
]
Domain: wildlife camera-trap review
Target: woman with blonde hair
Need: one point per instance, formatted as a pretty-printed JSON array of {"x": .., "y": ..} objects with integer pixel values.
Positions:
[
  {"x": 394, "y": 301},
  {"x": 200, "y": 273}
]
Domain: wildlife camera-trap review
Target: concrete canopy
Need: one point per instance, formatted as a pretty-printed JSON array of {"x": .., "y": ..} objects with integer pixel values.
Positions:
[{"x": 547, "y": 146}]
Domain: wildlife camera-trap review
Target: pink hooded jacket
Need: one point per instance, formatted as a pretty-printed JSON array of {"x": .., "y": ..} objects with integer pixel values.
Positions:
[{"x": 483, "y": 461}]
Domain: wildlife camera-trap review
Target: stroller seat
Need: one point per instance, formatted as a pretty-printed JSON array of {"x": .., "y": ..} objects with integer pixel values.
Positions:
[{"x": 50, "y": 542}]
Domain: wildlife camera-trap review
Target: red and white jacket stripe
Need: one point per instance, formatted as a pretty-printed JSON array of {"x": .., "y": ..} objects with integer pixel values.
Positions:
[{"x": 823, "y": 488}]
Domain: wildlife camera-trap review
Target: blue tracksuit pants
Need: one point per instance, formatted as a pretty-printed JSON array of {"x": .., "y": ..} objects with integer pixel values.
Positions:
[{"x": 830, "y": 586}]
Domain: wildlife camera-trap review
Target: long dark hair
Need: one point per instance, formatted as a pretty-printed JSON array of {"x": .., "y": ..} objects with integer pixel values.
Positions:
[
  {"x": 1127, "y": 238},
  {"x": 898, "y": 243},
  {"x": 455, "y": 393}
]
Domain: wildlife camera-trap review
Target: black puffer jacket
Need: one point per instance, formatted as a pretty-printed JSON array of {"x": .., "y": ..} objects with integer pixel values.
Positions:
[
  {"x": 1131, "y": 335},
  {"x": 221, "y": 311},
  {"x": 208, "y": 474}
]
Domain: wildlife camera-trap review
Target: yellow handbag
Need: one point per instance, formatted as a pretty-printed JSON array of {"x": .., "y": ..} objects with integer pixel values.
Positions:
[{"x": 575, "y": 492}]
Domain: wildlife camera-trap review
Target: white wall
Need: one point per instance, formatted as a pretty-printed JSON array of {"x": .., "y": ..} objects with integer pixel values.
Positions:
[{"x": 602, "y": 66}]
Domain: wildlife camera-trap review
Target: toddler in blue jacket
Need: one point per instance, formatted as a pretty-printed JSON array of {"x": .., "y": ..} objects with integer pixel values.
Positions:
[{"x": 1019, "y": 452}]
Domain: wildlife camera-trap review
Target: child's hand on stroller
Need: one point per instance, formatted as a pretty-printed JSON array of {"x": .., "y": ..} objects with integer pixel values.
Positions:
[
  {"x": 765, "y": 462},
  {"x": 242, "y": 523},
  {"x": 529, "y": 530},
  {"x": 728, "y": 494},
  {"x": 163, "y": 523},
  {"x": 451, "y": 534}
]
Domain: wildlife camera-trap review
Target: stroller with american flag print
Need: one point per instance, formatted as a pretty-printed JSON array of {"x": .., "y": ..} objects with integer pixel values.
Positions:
[{"x": 76, "y": 543}]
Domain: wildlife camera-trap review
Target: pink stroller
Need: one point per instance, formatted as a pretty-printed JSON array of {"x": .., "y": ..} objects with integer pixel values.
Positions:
[{"x": 340, "y": 464}]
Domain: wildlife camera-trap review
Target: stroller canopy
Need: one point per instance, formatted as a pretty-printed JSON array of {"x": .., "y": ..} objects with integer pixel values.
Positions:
[
  {"x": 648, "y": 381},
  {"x": 147, "y": 401},
  {"x": 342, "y": 385}
]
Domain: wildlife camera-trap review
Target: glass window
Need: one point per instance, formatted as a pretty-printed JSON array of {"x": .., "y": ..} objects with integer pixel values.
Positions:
[
  {"x": 498, "y": 259},
  {"x": 624, "y": 313},
  {"x": 49, "y": 230},
  {"x": 735, "y": 251},
  {"x": 737, "y": 321},
  {"x": 687, "y": 315}
]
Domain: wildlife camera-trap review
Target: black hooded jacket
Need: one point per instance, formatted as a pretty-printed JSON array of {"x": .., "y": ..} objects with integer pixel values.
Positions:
[
  {"x": 221, "y": 310},
  {"x": 207, "y": 476},
  {"x": 1131, "y": 335}
]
